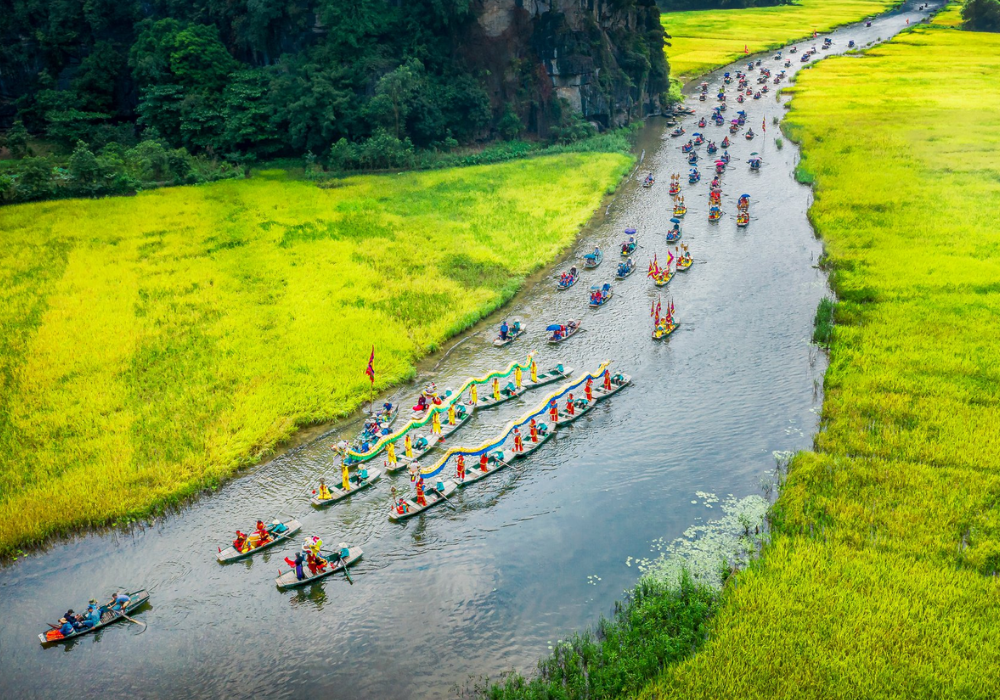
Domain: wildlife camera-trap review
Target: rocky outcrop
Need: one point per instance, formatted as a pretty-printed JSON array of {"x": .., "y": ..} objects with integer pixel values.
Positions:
[{"x": 603, "y": 59}]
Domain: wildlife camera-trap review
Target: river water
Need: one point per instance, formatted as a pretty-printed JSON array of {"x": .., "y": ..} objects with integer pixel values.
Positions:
[{"x": 527, "y": 556}]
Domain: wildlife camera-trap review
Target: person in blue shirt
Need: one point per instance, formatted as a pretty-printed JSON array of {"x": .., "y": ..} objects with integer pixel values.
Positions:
[
  {"x": 119, "y": 600},
  {"x": 504, "y": 329},
  {"x": 65, "y": 627},
  {"x": 92, "y": 617}
]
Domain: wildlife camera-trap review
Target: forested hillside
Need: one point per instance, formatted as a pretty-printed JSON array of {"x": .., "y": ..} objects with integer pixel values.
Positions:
[{"x": 259, "y": 78}]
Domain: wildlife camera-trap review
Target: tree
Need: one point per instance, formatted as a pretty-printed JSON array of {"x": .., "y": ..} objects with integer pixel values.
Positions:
[
  {"x": 981, "y": 15},
  {"x": 395, "y": 91},
  {"x": 16, "y": 140}
]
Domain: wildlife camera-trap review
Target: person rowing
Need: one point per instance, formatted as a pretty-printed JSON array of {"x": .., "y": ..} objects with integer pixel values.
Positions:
[{"x": 119, "y": 600}]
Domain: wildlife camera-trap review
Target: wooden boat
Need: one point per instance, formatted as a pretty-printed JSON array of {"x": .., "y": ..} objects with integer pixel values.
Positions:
[
  {"x": 629, "y": 247},
  {"x": 431, "y": 495},
  {"x": 511, "y": 335},
  {"x": 574, "y": 276},
  {"x": 648, "y": 182},
  {"x": 288, "y": 580},
  {"x": 663, "y": 278},
  {"x": 673, "y": 236},
  {"x": 339, "y": 494},
  {"x": 714, "y": 214},
  {"x": 629, "y": 269},
  {"x": 475, "y": 473},
  {"x": 680, "y": 210},
  {"x": 743, "y": 220},
  {"x": 675, "y": 189},
  {"x": 684, "y": 264},
  {"x": 402, "y": 460},
  {"x": 486, "y": 400},
  {"x": 509, "y": 455},
  {"x": 570, "y": 332},
  {"x": 661, "y": 333},
  {"x": 592, "y": 260},
  {"x": 693, "y": 178},
  {"x": 582, "y": 407},
  {"x": 553, "y": 375},
  {"x": 605, "y": 298},
  {"x": 139, "y": 599},
  {"x": 618, "y": 382},
  {"x": 229, "y": 554}
]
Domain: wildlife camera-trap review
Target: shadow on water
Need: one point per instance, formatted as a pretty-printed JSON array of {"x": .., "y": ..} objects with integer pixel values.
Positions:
[{"x": 526, "y": 557}]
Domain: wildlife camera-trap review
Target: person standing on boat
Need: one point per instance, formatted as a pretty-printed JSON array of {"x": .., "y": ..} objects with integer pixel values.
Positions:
[
  {"x": 408, "y": 446},
  {"x": 570, "y": 408},
  {"x": 553, "y": 410},
  {"x": 345, "y": 475},
  {"x": 473, "y": 395},
  {"x": 436, "y": 423},
  {"x": 504, "y": 330},
  {"x": 324, "y": 491},
  {"x": 421, "y": 499},
  {"x": 460, "y": 468},
  {"x": 534, "y": 370},
  {"x": 390, "y": 453},
  {"x": 517, "y": 376},
  {"x": 589, "y": 388},
  {"x": 496, "y": 389},
  {"x": 518, "y": 441},
  {"x": 296, "y": 564},
  {"x": 533, "y": 431},
  {"x": 483, "y": 462},
  {"x": 607, "y": 379},
  {"x": 451, "y": 414}
]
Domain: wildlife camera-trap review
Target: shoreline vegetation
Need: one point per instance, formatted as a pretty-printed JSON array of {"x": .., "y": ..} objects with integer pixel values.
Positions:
[
  {"x": 152, "y": 346},
  {"x": 880, "y": 577},
  {"x": 703, "y": 40}
]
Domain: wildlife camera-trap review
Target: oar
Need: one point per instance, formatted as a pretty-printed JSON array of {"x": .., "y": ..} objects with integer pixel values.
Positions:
[
  {"x": 441, "y": 494},
  {"x": 344, "y": 561},
  {"x": 122, "y": 614}
]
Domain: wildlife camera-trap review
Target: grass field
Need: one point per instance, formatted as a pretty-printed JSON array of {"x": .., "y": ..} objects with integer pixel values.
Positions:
[
  {"x": 150, "y": 346},
  {"x": 704, "y": 40},
  {"x": 881, "y": 580}
]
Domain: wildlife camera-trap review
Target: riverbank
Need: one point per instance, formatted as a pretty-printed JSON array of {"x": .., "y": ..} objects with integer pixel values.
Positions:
[
  {"x": 880, "y": 580},
  {"x": 703, "y": 40},
  {"x": 154, "y": 345}
]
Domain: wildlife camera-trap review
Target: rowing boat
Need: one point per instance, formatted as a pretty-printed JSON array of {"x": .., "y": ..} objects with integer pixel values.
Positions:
[
  {"x": 570, "y": 332},
  {"x": 582, "y": 406},
  {"x": 684, "y": 264},
  {"x": 592, "y": 260},
  {"x": 553, "y": 375},
  {"x": 618, "y": 382},
  {"x": 418, "y": 452},
  {"x": 605, "y": 298},
  {"x": 545, "y": 431},
  {"x": 629, "y": 269},
  {"x": 505, "y": 396},
  {"x": 431, "y": 495},
  {"x": 493, "y": 465},
  {"x": 511, "y": 337},
  {"x": 139, "y": 599},
  {"x": 289, "y": 580},
  {"x": 230, "y": 554},
  {"x": 660, "y": 334},
  {"x": 338, "y": 494}
]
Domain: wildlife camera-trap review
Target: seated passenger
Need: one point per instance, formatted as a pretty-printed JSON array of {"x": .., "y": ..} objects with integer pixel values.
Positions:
[
  {"x": 239, "y": 544},
  {"x": 65, "y": 627},
  {"x": 324, "y": 491}
]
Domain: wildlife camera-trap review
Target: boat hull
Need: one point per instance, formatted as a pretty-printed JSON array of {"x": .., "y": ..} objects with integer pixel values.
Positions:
[
  {"x": 139, "y": 599},
  {"x": 432, "y": 497},
  {"x": 229, "y": 554},
  {"x": 340, "y": 494},
  {"x": 288, "y": 580}
]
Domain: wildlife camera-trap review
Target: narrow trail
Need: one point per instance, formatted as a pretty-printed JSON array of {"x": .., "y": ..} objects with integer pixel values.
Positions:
[{"x": 526, "y": 556}]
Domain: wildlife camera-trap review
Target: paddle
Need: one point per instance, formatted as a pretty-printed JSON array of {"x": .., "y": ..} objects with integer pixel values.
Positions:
[
  {"x": 344, "y": 562},
  {"x": 441, "y": 494},
  {"x": 122, "y": 614}
]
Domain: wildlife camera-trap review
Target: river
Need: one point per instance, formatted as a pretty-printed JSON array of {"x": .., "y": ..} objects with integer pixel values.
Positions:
[{"x": 525, "y": 557}]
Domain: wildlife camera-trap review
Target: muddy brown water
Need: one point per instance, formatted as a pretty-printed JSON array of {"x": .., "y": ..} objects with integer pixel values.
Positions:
[{"x": 526, "y": 557}]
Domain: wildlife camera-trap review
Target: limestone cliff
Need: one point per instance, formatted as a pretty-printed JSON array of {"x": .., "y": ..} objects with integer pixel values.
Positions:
[{"x": 604, "y": 58}]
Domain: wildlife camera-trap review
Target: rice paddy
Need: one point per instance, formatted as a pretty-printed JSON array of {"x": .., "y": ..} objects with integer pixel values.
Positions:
[
  {"x": 702, "y": 40},
  {"x": 881, "y": 578},
  {"x": 151, "y": 346}
]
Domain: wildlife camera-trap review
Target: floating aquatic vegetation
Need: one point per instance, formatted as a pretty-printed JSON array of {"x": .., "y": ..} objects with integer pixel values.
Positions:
[{"x": 709, "y": 551}]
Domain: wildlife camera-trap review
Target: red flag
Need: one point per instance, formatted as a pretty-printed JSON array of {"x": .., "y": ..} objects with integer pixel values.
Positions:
[
  {"x": 658, "y": 309},
  {"x": 650, "y": 270},
  {"x": 763, "y": 125},
  {"x": 671, "y": 305},
  {"x": 370, "y": 369},
  {"x": 652, "y": 309}
]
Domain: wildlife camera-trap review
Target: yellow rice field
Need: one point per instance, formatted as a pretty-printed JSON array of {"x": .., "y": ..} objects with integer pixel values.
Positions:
[
  {"x": 882, "y": 577},
  {"x": 703, "y": 40},
  {"x": 150, "y": 346}
]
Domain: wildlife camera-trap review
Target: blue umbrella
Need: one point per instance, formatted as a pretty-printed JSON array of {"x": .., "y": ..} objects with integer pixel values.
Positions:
[
  {"x": 745, "y": 195},
  {"x": 675, "y": 221},
  {"x": 553, "y": 327},
  {"x": 630, "y": 231}
]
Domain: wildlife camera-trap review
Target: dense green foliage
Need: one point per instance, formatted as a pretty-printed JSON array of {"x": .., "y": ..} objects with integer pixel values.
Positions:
[
  {"x": 365, "y": 84},
  {"x": 114, "y": 170},
  {"x": 981, "y": 15},
  {"x": 882, "y": 577},
  {"x": 657, "y": 624},
  {"x": 685, "y": 5}
]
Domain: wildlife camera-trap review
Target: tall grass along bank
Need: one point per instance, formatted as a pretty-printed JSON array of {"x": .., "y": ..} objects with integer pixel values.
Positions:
[
  {"x": 881, "y": 578},
  {"x": 702, "y": 41},
  {"x": 150, "y": 346}
]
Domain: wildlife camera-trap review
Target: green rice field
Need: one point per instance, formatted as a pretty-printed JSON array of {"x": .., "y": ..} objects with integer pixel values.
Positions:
[
  {"x": 881, "y": 580},
  {"x": 153, "y": 345},
  {"x": 703, "y": 40}
]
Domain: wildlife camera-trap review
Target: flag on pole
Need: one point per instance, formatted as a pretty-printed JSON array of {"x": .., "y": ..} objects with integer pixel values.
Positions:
[
  {"x": 671, "y": 305},
  {"x": 763, "y": 125},
  {"x": 658, "y": 309},
  {"x": 370, "y": 369},
  {"x": 652, "y": 308}
]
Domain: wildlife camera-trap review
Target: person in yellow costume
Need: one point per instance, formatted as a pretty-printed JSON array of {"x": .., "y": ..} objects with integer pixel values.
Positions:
[
  {"x": 534, "y": 370},
  {"x": 517, "y": 377},
  {"x": 436, "y": 423},
  {"x": 390, "y": 453},
  {"x": 496, "y": 389},
  {"x": 408, "y": 446},
  {"x": 324, "y": 491},
  {"x": 346, "y": 480},
  {"x": 473, "y": 395}
]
